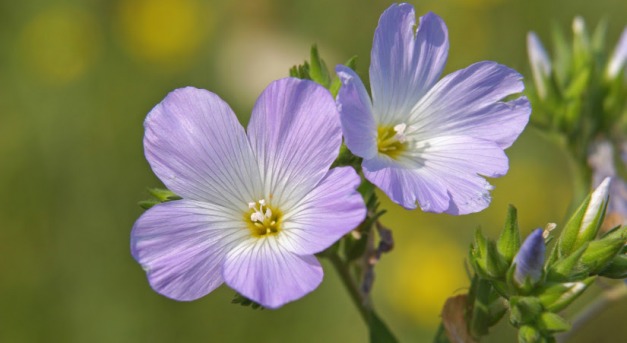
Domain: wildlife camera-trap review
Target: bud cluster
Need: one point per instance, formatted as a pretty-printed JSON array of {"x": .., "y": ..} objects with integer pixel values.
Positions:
[
  {"x": 535, "y": 286},
  {"x": 581, "y": 92}
]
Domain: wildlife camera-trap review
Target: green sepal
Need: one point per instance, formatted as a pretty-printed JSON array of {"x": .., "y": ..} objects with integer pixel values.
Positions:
[
  {"x": 163, "y": 195},
  {"x": 600, "y": 253},
  {"x": 574, "y": 235},
  {"x": 146, "y": 204},
  {"x": 565, "y": 269},
  {"x": 301, "y": 71},
  {"x": 551, "y": 322},
  {"x": 524, "y": 310},
  {"x": 330, "y": 251},
  {"x": 478, "y": 253},
  {"x": 337, "y": 83},
  {"x": 242, "y": 300},
  {"x": 160, "y": 195},
  {"x": 485, "y": 258},
  {"x": 479, "y": 298},
  {"x": 557, "y": 296},
  {"x": 346, "y": 158},
  {"x": 529, "y": 334},
  {"x": 509, "y": 241},
  {"x": 318, "y": 70},
  {"x": 615, "y": 232},
  {"x": 617, "y": 269},
  {"x": 566, "y": 243}
]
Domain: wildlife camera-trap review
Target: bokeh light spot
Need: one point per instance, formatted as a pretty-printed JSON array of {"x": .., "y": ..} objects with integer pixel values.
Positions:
[
  {"x": 60, "y": 43},
  {"x": 424, "y": 276},
  {"x": 164, "y": 32}
]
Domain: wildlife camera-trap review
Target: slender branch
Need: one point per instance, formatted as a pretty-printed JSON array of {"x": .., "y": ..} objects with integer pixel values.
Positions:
[
  {"x": 351, "y": 287},
  {"x": 604, "y": 300}
]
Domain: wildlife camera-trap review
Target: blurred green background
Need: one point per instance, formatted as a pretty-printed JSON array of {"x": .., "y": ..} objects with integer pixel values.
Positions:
[{"x": 76, "y": 81}]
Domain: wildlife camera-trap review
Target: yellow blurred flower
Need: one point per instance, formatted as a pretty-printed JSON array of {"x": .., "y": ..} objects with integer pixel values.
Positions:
[
  {"x": 164, "y": 32},
  {"x": 425, "y": 272},
  {"x": 60, "y": 43}
]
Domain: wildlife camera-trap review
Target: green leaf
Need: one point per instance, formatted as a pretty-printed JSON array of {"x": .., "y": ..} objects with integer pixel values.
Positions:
[
  {"x": 379, "y": 332},
  {"x": 509, "y": 241},
  {"x": 318, "y": 70}
]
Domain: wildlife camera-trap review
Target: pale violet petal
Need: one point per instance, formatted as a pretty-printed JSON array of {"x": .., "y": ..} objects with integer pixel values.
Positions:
[
  {"x": 441, "y": 174},
  {"x": 358, "y": 124},
  {"x": 405, "y": 65},
  {"x": 199, "y": 150},
  {"x": 466, "y": 102},
  {"x": 618, "y": 60},
  {"x": 327, "y": 213},
  {"x": 295, "y": 134},
  {"x": 540, "y": 63},
  {"x": 262, "y": 270},
  {"x": 182, "y": 244}
]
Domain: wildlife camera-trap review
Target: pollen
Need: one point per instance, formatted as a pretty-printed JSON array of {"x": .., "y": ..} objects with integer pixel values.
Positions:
[
  {"x": 263, "y": 219},
  {"x": 392, "y": 140}
]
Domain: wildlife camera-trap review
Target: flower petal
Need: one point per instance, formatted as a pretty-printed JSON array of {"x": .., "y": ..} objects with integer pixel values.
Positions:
[
  {"x": 327, "y": 213},
  {"x": 466, "y": 103},
  {"x": 295, "y": 133},
  {"x": 619, "y": 57},
  {"x": 355, "y": 107},
  {"x": 263, "y": 271},
  {"x": 181, "y": 245},
  {"x": 405, "y": 66},
  {"x": 442, "y": 175},
  {"x": 199, "y": 150}
]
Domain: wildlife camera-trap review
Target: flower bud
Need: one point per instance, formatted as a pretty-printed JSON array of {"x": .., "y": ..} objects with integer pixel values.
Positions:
[
  {"x": 557, "y": 296},
  {"x": 529, "y": 261},
  {"x": 540, "y": 64},
  {"x": 584, "y": 224}
]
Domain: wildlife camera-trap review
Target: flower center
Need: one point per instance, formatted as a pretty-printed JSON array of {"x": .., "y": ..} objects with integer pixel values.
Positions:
[
  {"x": 392, "y": 141},
  {"x": 263, "y": 219}
]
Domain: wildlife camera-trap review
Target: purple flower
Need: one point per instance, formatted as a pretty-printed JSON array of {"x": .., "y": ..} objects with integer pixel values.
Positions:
[
  {"x": 530, "y": 258},
  {"x": 424, "y": 140},
  {"x": 256, "y": 206}
]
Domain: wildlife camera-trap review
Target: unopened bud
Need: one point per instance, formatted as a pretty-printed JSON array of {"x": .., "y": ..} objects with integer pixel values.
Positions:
[{"x": 530, "y": 259}]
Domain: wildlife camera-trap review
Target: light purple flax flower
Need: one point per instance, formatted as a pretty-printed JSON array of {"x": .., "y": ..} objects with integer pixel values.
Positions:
[
  {"x": 424, "y": 140},
  {"x": 256, "y": 206}
]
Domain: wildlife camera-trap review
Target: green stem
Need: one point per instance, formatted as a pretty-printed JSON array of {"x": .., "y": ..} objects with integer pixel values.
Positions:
[
  {"x": 595, "y": 308},
  {"x": 342, "y": 269}
]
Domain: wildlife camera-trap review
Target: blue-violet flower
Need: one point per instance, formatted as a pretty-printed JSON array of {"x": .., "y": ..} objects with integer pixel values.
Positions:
[
  {"x": 256, "y": 206},
  {"x": 424, "y": 140}
]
